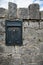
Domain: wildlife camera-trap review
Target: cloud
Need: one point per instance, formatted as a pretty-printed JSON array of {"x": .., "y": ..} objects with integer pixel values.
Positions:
[
  {"x": 21, "y": 3},
  {"x": 40, "y": 2},
  {"x": 41, "y": 9},
  {"x": 4, "y": 3}
]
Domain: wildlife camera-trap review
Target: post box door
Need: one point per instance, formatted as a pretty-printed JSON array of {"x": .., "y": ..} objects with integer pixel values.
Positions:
[
  {"x": 14, "y": 36},
  {"x": 18, "y": 37}
]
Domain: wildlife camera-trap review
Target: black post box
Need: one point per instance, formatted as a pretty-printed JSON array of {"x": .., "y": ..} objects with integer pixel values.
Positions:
[{"x": 13, "y": 32}]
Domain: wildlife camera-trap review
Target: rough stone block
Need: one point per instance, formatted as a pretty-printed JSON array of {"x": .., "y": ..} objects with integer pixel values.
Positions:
[
  {"x": 25, "y": 24},
  {"x": 38, "y": 58},
  {"x": 31, "y": 35},
  {"x": 41, "y": 47},
  {"x": 12, "y": 10},
  {"x": 19, "y": 51},
  {"x": 1, "y": 49},
  {"x": 34, "y": 25},
  {"x": 27, "y": 58},
  {"x": 2, "y": 25},
  {"x": 40, "y": 63},
  {"x": 41, "y": 25},
  {"x": 34, "y": 11},
  {"x": 41, "y": 14},
  {"x": 34, "y": 51},
  {"x": 16, "y": 61},
  {"x": 25, "y": 28},
  {"x": 40, "y": 35},
  {"x": 6, "y": 49},
  {"x": 2, "y": 12},
  {"x": 5, "y": 60},
  {"x": 16, "y": 55},
  {"x": 2, "y": 29},
  {"x": 31, "y": 50},
  {"x": 32, "y": 64},
  {"x": 25, "y": 42},
  {"x": 23, "y": 13},
  {"x": 29, "y": 31},
  {"x": 2, "y": 36}
]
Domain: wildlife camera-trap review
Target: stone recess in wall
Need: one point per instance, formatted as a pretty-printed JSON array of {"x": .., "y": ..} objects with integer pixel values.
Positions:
[
  {"x": 34, "y": 11},
  {"x": 12, "y": 10}
]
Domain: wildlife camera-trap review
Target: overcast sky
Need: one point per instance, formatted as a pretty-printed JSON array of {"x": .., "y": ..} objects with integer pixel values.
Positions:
[{"x": 21, "y": 3}]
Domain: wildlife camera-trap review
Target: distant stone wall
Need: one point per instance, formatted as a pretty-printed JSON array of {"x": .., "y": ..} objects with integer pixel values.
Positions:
[
  {"x": 23, "y": 13},
  {"x": 34, "y": 11},
  {"x": 31, "y": 53},
  {"x": 12, "y": 11}
]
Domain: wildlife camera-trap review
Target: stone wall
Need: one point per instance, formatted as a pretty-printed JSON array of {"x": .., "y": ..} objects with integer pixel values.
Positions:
[
  {"x": 41, "y": 13},
  {"x": 34, "y": 11},
  {"x": 23, "y": 13},
  {"x": 12, "y": 11},
  {"x": 31, "y": 53}
]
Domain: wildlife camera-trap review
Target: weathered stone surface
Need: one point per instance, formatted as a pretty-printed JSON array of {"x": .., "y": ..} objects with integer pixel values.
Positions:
[
  {"x": 33, "y": 25},
  {"x": 34, "y": 50},
  {"x": 9, "y": 60},
  {"x": 29, "y": 31},
  {"x": 41, "y": 14},
  {"x": 25, "y": 24},
  {"x": 34, "y": 11},
  {"x": 31, "y": 50},
  {"x": 41, "y": 24},
  {"x": 40, "y": 63},
  {"x": 12, "y": 10},
  {"x": 5, "y": 60},
  {"x": 41, "y": 47},
  {"x": 25, "y": 29},
  {"x": 23, "y": 13},
  {"x": 6, "y": 49},
  {"x": 1, "y": 49},
  {"x": 2, "y": 25},
  {"x": 32, "y": 64},
  {"x": 27, "y": 58},
  {"x": 31, "y": 35},
  {"x": 2, "y": 12},
  {"x": 2, "y": 37},
  {"x": 19, "y": 50},
  {"x": 40, "y": 35},
  {"x": 25, "y": 42},
  {"x": 38, "y": 58},
  {"x": 16, "y": 61},
  {"x": 2, "y": 29}
]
